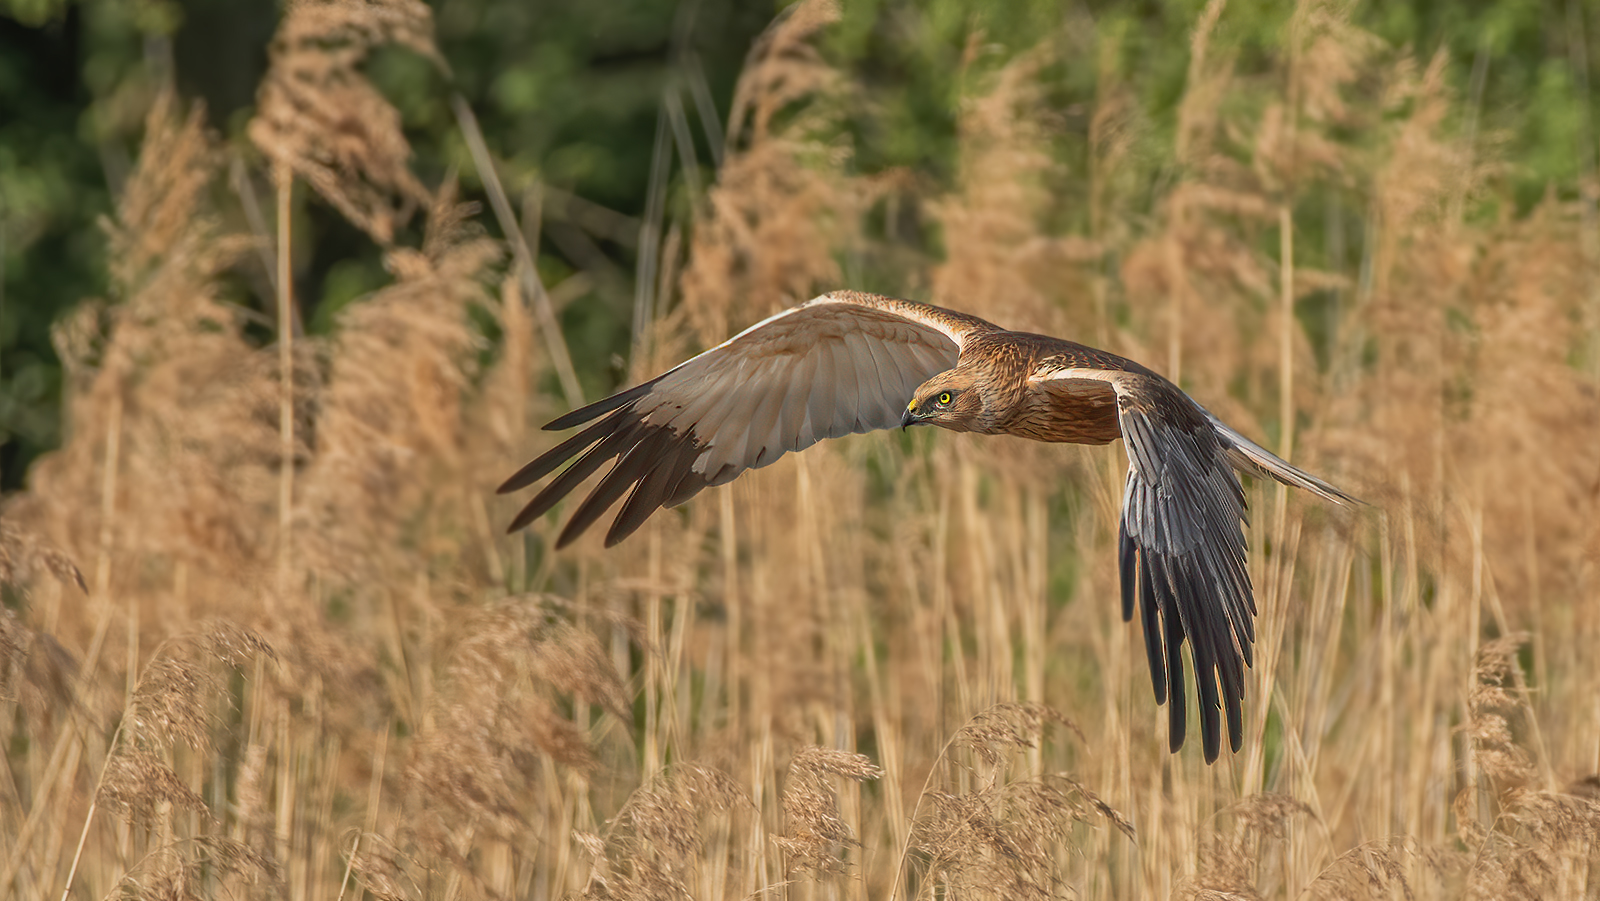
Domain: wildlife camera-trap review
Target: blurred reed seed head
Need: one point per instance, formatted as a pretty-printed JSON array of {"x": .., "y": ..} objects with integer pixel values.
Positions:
[
  {"x": 381, "y": 868},
  {"x": 995, "y": 734},
  {"x": 1529, "y": 839},
  {"x": 816, "y": 836},
  {"x": 1243, "y": 850},
  {"x": 37, "y": 674},
  {"x": 24, "y": 555},
  {"x": 1000, "y": 261},
  {"x": 173, "y": 704},
  {"x": 391, "y": 427},
  {"x": 166, "y": 375},
  {"x": 174, "y": 699},
  {"x": 319, "y": 117},
  {"x": 783, "y": 203},
  {"x": 653, "y": 847},
  {"x": 1001, "y": 840},
  {"x": 1390, "y": 868},
  {"x": 192, "y": 869},
  {"x": 156, "y": 213},
  {"x": 498, "y": 708},
  {"x": 137, "y": 783},
  {"x": 996, "y": 834},
  {"x": 1488, "y": 703}
]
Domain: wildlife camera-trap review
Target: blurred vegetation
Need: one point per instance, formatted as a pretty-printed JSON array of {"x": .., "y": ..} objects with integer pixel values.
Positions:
[
  {"x": 1342, "y": 227},
  {"x": 569, "y": 96}
]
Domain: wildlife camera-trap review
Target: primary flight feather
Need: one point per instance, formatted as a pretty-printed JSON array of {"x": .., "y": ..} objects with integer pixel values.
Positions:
[{"x": 854, "y": 362}]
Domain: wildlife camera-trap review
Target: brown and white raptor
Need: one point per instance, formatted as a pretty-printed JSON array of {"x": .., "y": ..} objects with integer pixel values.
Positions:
[{"x": 854, "y": 362}]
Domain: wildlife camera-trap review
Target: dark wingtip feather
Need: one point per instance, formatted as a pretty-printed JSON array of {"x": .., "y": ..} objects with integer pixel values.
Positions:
[
  {"x": 1125, "y": 567},
  {"x": 1204, "y": 649},
  {"x": 573, "y": 475},
  {"x": 1183, "y": 509},
  {"x": 536, "y": 469},
  {"x": 546, "y": 463},
  {"x": 566, "y": 537},
  {"x": 1178, "y": 704},
  {"x": 1235, "y": 724},
  {"x": 635, "y": 465},
  {"x": 1177, "y": 727},
  {"x": 1150, "y": 608},
  {"x": 524, "y": 518},
  {"x": 651, "y": 492},
  {"x": 599, "y": 407},
  {"x": 1210, "y": 715},
  {"x": 548, "y": 498}
]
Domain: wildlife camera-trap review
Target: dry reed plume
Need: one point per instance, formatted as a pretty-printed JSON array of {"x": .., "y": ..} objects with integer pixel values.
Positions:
[
  {"x": 320, "y": 117},
  {"x": 830, "y": 679},
  {"x": 782, "y": 202},
  {"x": 815, "y": 835},
  {"x": 990, "y": 834}
]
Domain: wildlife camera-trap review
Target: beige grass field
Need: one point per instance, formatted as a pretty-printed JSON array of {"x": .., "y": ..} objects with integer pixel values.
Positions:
[{"x": 306, "y": 663}]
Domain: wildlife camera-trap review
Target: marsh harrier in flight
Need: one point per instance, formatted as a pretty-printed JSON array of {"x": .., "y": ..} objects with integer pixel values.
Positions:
[{"x": 853, "y": 362}]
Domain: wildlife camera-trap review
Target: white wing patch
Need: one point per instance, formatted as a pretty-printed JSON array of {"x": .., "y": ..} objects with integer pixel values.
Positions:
[{"x": 1060, "y": 373}]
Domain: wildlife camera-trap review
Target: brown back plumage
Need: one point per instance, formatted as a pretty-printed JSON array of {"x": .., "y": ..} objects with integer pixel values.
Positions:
[{"x": 855, "y": 362}]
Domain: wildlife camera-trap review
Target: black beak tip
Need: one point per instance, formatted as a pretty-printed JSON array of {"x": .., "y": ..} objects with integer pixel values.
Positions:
[{"x": 907, "y": 419}]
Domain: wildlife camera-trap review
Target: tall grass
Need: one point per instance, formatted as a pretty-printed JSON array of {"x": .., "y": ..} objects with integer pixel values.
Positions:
[{"x": 882, "y": 668}]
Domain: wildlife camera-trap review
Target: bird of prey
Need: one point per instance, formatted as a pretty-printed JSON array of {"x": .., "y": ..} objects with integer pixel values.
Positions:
[{"x": 854, "y": 362}]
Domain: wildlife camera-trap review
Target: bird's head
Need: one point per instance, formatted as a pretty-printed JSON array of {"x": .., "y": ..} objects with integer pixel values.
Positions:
[{"x": 951, "y": 400}]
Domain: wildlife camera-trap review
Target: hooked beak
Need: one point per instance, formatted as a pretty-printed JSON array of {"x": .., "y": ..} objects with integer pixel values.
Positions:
[{"x": 908, "y": 418}]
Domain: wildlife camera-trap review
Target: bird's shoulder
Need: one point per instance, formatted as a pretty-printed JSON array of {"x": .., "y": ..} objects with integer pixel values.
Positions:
[
  {"x": 1138, "y": 387},
  {"x": 1060, "y": 358},
  {"x": 862, "y": 307}
]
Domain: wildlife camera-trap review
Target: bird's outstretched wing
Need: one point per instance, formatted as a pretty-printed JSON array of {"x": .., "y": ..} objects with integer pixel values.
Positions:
[
  {"x": 1181, "y": 548},
  {"x": 844, "y": 362}
]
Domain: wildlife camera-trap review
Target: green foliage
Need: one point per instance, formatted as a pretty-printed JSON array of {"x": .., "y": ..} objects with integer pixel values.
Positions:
[
  {"x": 33, "y": 12},
  {"x": 51, "y": 255},
  {"x": 569, "y": 95}
]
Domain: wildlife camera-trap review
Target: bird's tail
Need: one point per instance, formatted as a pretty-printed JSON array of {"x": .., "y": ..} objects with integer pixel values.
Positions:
[{"x": 1248, "y": 456}]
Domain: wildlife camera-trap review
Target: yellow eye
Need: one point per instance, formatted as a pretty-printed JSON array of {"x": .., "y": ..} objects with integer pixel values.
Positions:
[{"x": 944, "y": 398}]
